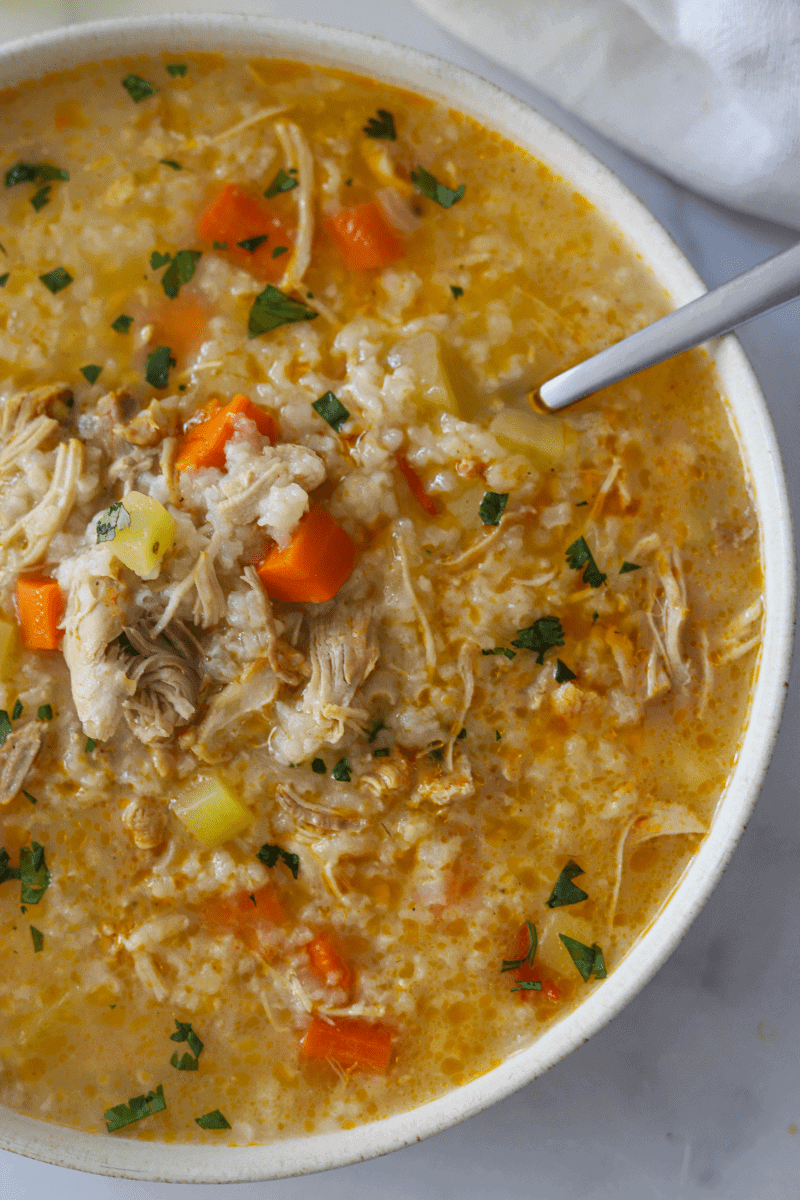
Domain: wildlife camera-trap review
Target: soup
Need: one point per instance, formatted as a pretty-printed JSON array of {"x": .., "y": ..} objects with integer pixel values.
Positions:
[{"x": 356, "y": 718}]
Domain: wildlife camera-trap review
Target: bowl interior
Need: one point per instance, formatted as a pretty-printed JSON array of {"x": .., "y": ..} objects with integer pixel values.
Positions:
[{"x": 490, "y": 106}]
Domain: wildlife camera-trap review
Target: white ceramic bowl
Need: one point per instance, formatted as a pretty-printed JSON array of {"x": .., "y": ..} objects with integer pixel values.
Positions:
[{"x": 394, "y": 64}]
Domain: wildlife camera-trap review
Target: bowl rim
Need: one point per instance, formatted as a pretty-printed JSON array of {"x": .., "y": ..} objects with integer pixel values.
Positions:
[{"x": 490, "y": 105}]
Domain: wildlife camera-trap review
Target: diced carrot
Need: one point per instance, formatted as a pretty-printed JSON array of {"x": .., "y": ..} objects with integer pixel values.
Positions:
[
  {"x": 364, "y": 237},
  {"x": 40, "y": 607},
  {"x": 319, "y": 558},
  {"x": 245, "y": 913},
  {"x": 332, "y": 968},
  {"x": 181, "y": 325},
  {"x": 350, "y": 1043},
  {"x": 415, "y": 483},
  {"x": 203, "y": 445},
  {"x": 236, "y": 216}
]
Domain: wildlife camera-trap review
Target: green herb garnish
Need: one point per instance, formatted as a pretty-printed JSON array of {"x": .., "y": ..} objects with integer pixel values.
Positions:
[
  {"x": 588, "y": 959},
  {"x": 429, "y": 186},
  {"x": 457, "y": 291},
  {"x": 38, "y": 939},
  {"x": 271, "y": 855},
  {"x": 627, "y": 567},
  {"x": 180, "y": 271},
  {"x": 170, "y": 162},
  {"x": 42, "y": 197},
  {"x": 381, "y": 126},
  {"x": 513, "y": 964},
  {"x": 4, "y": 278},
  {"x": 5, "y": 725},
  {"x": 24, "y": 172},
  {"x": 318, "y": 766},
  {"x": 158, "y": 365},
  {"x": 212, "y": 1120},
  {"x": 158, "y": 260},
  {"x": 281, "y": 183},
  {"x": 33, "y": 873},
  {"x": 501, "y": 650},
  {"x": 185, "y": 1033},
  {"x": 372, "y": 731},
  {"x": 279, "y": 250},
  {"x": 251, "y": 244},
  {"x": 122, "y": 323},
  {"x": 579, "y": 555},
  {"x": 492, "y": 507},
  {"x": 462, "y": 735},
  {"x": 527, "y": 985},
  {"x": 136, "y": 1108},
  {"x": 563, "y": 673},
  {"x": 137, "y": 88},
  {"x": 177, "y": 69},
  {"x": 331, "y": 409},
  {"x": 28, "y": 796},
  {"x": 45, "y": 712},
  {"x": 272, "y": 308},
  {"x": 220, "y": 245},
  {"x": 56, "y": 280},
  {"x": 565, "y": 891},
  {"x": 382, "y": 752},
  {"x": 341, "y": 771},
  {"x": 17, "y": 710},
  {"x": 540, "y": 636},
  {"x": 91, "y": 745},
  {"x": 581, "y": 503},
  {"x": 114, "y": 518},
  {"x": 91, "y": 373}
]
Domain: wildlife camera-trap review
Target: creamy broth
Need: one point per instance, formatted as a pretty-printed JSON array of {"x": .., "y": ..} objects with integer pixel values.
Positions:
[{"x": 363, "y": 694}]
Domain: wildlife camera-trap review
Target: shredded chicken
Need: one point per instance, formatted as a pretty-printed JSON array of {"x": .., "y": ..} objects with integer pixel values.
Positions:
[
  {"x": 738, "y": 638},
  {"x": 343, "y": 650},
  {"x": 94, "y": 618},
  {"x": 386, "y": 776},
  {"x": 465, "y": 657},
  {"x": 663, "y": 820},
  {"x": 146, "y": 822},
  {"x": 247, "y": 491},
  {"x": 167, "y": 687},
  {"x": 42, "y": 523},
  {"x": 424, "y": 623},
  {"x": 320, "y": 818},
  {"x": 263, "y": 114},
  {"x": 252, "y": 692},
  {"x": 667, "y": 617},
  {"x": 24, "y": 425},
  {"x": 17, "y": 756},
  {"x": 285, "y": 662},
  {"x": 149, "y": 426},
  {"x": 209, "y": 605},
  {"x": 127, "y": 468},
  {"x": 297, "y": 152},
  {"x": 443, "y": 789}
]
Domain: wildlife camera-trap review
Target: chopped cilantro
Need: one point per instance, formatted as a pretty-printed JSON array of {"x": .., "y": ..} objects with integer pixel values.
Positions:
[
  {"x": 17, "y": 711},
  {"x": 136, "y": 1108},
  {"x": 91, "y": 373},
  {"x": 91, "y": 745},
  {"x": 38, "y": 939},
  {"x": 540, "y": 636},
  {"x": 114, "y": 518},
  {"x": 341, "y": 771},
  {"x": 373, "y": 730},
  {"x": 501, "y": 650},
  {"x": 437, "y": 754},
  {"x": 331, "y": 409},
  {"x": 579, "y": 555},
  {"x": 33, "y": 873},
  {"x": 381, "y": 126},
  {"x": 429, "y": 186},
  {"x": 456, "y": 290},
  {"x": 382, "y": 752},
  {"x": 137, "y": 88},
  {"x": 177, "y": 69},
  {"x": 498, "y": 737},
  {"x": 212, "y": 1120},
  {"x": 595, "y": 615},
  {"x": 7, "y": 872},
  {"x": 627, "y": 567},
  {"x": 157, "y": 259},
  {"x": 588, "y": 959},
  {"x": 348, "y": 182},
  {"x": 279, "y": 250},
  {"x": 272, "y": 308},
  {"x": 281, "y": 183},
  {"x": 180, "y": 271},
  {"x": 158, "y": 365},
  {"x": 4, "y": 279},
  {"x": 42, "y": 197},
  {"x": 513, "y": 964},
  {"x": 23, "y": 172},
  {"x": 56, "y": 280},
  {"x": 565, "y": 891},
  {"x": 251, "y": 244},
  {"x": 271, "y": 855},
  {"x": 563, "y": 673},
  {"x": 185, "y": 1033},
  {"x": 581, "y": 503},
  {"x": 527, "y": 985},
  {"x": 28, "y": 796},
  {"x": 220, "y": 245},
  {"x": 318, "y": 766},
  {"x": 122, "y": 324},
  {"x": 492, "y": 507},
  {"x": 5, "y": 725},
  {"x": 45, "y": 712},
  {"x": 462, "y": 735},
  {"x": 170, "y": 162}
]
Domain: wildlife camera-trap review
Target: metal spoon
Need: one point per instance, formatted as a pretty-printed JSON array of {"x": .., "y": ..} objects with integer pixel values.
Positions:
[{"x": 771, "y": 283}]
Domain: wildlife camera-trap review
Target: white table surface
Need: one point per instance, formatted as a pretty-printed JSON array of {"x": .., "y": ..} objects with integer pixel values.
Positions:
[{"x": 693, "y": 1092}]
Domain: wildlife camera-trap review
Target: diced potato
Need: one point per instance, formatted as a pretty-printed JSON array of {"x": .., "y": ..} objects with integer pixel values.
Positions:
[
  {"x": 422, "y": 354},
  {"x": 538, "y": 437},
  {"x": 212, "y": 811},
  {"x": 143, "y": 544},
  {"x": 8, "y": 648}
]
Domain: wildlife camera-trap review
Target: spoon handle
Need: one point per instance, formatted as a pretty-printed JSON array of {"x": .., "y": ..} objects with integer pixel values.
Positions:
[{"x": 756, "y": 291}]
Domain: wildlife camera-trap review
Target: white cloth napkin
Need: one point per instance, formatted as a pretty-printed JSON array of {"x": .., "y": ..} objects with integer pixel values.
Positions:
[{"x": 707, "y": 91}]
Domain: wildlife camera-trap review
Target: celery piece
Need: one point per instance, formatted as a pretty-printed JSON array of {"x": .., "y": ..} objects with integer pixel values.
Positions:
[
  {"x": 212, "y": 811},
  {"x": 530, "y": 434},
  {"x": 142, "y": 544},
  {"x": 422, "y": 354}
]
